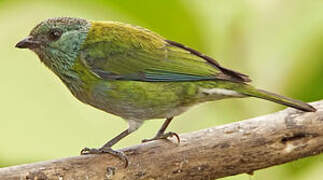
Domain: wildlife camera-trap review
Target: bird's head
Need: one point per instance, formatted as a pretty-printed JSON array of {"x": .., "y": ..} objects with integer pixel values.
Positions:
[{"x": 57, "y": 41}]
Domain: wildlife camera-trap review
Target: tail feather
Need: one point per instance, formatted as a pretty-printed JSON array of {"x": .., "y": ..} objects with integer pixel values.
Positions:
[{"x": 280, "y": 99}]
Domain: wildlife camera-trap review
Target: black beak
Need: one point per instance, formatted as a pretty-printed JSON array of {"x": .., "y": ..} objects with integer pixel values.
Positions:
[{"x": 28, "y": 43}]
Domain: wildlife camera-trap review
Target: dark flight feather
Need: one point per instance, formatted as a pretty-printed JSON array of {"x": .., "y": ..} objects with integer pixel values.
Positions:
[{"x": 234, "y": 74}]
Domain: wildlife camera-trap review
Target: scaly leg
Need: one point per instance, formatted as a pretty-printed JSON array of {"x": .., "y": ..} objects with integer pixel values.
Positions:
[
  {"x": 161, "y": 132},
  {"x": 106, "y": 148}
]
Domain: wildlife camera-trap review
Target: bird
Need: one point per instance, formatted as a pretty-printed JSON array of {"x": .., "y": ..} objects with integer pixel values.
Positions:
[{"x": 136, "y": 74}]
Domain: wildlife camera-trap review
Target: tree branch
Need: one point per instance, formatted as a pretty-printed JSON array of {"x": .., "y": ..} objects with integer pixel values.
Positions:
[{"x": 231, "y": 149}]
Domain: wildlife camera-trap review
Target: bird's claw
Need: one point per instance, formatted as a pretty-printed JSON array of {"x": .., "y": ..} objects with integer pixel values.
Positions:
[
  {"x": 87, "y": 150},
  {"x": 119, "y": 154},
  {"x": 163, "y": 136}
]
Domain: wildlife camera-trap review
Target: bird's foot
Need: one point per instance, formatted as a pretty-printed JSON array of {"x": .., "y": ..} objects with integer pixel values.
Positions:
[
  {"x": 163, "y": 136},
  {"x": 108, "y": 150}
]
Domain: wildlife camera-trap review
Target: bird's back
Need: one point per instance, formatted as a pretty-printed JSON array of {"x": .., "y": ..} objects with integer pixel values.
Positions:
[{"x": 120, "y": 51}]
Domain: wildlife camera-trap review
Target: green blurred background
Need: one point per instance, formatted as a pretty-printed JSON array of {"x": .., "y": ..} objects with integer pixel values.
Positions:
[{"x": 278, "y": 43}]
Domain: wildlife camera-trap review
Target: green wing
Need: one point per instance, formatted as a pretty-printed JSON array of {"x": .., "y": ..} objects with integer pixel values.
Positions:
[{"x": 137, "y": 54}]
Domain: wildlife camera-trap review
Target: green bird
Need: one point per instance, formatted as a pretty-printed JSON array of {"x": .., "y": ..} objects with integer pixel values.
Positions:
[{"x": 136, "y": 74}]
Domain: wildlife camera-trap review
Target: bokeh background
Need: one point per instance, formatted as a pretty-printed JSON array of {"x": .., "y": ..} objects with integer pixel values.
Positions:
[{"x": 278, "y": 43}]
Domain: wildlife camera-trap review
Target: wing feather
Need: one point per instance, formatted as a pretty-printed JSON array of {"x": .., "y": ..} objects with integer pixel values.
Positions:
[{"x": 144, "y": 56}]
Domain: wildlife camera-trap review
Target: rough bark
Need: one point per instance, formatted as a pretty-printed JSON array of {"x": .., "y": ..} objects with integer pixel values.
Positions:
[{"x": 240, "y": 147}]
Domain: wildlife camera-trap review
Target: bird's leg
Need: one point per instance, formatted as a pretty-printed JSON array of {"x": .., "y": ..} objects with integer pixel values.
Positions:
[
  {"x": 106, "y": 148},
  {"x": 161, "y": 132}
]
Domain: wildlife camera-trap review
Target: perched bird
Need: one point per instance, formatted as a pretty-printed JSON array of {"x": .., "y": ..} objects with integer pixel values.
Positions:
[{"x": 136, "y": 74}]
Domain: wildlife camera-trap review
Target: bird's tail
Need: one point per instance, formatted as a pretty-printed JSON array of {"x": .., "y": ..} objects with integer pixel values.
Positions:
[{"x": 253, "y": 92}]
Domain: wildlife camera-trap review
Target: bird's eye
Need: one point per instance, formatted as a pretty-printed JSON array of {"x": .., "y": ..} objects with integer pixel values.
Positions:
[{"x": 55, "y": 34}]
